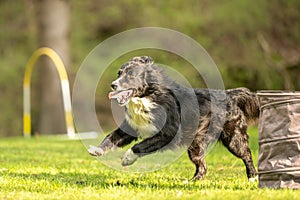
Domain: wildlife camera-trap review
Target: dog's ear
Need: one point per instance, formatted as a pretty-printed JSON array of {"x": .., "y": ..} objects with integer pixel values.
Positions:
[{"x": 146, "y": 60}]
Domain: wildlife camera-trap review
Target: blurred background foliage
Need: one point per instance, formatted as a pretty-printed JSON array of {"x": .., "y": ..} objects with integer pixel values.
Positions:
[{"x": 255, "y": 44}]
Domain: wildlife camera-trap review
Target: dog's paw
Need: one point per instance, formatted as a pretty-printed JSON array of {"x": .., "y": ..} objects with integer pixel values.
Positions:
[
  {"x": 95, "y": 151},
  {"x": 197, "y": 177},
  {"x": 253, "y": 179},
  {"x": 129, "y": 158}
]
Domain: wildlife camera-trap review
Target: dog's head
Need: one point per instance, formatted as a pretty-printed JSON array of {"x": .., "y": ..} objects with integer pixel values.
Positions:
[{"x": 132, "y": 80}]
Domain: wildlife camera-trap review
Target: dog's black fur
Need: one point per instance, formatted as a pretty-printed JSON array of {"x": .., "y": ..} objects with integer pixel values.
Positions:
[{"x": 165, "y": 105}]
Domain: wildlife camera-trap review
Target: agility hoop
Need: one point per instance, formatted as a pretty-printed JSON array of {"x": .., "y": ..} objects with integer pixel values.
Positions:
[{"x": 64, "y": 82}]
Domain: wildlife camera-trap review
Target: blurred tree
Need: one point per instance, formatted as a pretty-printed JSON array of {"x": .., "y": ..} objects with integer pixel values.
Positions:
[
  {"x": 53, "y": 19},
  {"x": 280, "y": 44},
  {"x": 254, "y": 44}
]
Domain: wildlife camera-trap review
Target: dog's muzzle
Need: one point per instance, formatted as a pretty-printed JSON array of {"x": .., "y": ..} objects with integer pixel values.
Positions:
[{"x": 123, "y": 96}]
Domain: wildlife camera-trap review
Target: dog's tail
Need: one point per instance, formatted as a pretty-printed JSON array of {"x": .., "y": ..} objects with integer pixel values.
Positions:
[{"x": 247, "y": 101}]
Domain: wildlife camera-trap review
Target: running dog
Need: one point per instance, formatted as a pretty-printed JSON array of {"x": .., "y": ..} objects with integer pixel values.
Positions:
[{"x": 165, "y": 114}]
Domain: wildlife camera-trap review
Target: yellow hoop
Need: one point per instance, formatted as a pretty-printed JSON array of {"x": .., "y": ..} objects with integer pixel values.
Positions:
[{"x": 64, "y": 86}]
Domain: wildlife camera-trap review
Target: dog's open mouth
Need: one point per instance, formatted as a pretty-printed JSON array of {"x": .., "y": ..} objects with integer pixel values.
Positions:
[{"x": 123, "y": 96}]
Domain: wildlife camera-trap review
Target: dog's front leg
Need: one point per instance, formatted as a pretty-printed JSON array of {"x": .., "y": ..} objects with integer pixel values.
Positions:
[
  {"x": 106, "y": 145},
  {"x": 147, "y": 146},
  {"x": 117, "y": 138}
]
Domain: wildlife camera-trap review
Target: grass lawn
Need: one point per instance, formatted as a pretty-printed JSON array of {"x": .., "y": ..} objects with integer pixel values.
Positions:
[{"x": 51, "y": 168}]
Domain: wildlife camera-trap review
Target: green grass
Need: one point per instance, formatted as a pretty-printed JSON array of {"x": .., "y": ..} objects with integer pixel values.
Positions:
[{"x": 50, "y": 168}]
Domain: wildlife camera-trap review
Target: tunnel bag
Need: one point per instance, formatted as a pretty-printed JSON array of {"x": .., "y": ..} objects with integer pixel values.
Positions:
[{"x": 279, "y": 139}]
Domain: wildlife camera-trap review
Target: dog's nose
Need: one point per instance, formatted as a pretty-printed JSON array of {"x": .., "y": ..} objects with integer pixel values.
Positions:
[{"x": 113, "y": 86}]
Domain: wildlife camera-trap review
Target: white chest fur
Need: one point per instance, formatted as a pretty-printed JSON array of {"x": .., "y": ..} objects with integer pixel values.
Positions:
[{"x": 140, "y": 117}]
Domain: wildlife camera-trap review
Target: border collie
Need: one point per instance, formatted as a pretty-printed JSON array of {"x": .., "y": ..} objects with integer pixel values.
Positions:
[{"x": 166, "y": 114}]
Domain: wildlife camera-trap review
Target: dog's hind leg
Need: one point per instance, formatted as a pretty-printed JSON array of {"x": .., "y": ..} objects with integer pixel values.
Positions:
[
  {"x": 197, "y": 156},
  {"x": 198, "y": 148},
  {"x": 236, "y": 141}
]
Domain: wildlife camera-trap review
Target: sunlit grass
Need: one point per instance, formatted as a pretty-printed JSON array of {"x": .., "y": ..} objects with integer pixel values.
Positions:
[{"x": 49, "y": 168}]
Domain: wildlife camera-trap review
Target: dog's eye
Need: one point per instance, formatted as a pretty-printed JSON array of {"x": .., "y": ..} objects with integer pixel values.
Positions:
[{"x": 130, "y": 74}]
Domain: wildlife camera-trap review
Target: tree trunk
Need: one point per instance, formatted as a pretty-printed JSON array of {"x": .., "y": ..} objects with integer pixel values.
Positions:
[{"x": 53, "y": 19}]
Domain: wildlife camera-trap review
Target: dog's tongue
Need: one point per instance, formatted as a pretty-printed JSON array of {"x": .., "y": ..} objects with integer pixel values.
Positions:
[{"x": 122, "y": 97}]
